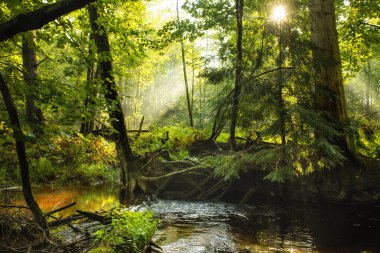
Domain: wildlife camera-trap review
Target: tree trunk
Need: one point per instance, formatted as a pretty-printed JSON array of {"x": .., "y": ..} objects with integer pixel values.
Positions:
[
  {"x": 34, "y": 114},
  {"x": 329, "y": 91},
  {"x": 20, "y": 149},
  {"x": 281, "y": 104},
  {"x": 113, "y": 101},
  {"x": 40, "y": 17},
  {"x": 367, "y": 87},
  {"x": 238, "y": 71},
  {"x": 188, "y": 100},
  {"x": 87, "y": 124}
]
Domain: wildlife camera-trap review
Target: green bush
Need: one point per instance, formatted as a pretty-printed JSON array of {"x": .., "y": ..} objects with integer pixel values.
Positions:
[
  {"x": 89, "y": 174},
  {"x": 43, "y": 171},
  {"x": 180, "y": 138},
  {"x": 128, "y": 232}
]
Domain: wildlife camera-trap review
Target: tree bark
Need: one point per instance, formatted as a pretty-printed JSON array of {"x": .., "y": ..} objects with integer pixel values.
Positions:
[
  {"x": 34, "y": 114},
  {"x": 238, "y": 71},
  {"x": 115, "y": 110},
  {"x": 329, "y": 91},
  {"x": 38, "y": 18},
  {"x": 188, "y": 100},
  {"x": 20, "y": 149}
]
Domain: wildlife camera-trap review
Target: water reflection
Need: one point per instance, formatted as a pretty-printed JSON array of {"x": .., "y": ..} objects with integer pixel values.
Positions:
[{"x": 89, "y": 199}]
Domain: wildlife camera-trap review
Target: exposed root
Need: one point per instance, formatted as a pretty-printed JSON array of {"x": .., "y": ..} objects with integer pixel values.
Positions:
[{"x": 172, "y": 174}]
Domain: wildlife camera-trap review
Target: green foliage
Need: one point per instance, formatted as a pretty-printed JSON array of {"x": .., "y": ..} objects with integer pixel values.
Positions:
[
  {"x": 62, "y": 159},
  {"x": 230, "y": 166},
  {"x": 128, "y": 232},
  {"x": 91, "y": 174},
  {"x": 180, "y": 138},
  {"x": 42, "y": 171}
]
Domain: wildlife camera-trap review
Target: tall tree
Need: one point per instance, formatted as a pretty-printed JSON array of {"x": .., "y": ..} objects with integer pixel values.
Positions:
[
  {"x": 34, "y": 114},
  {"x": 20, "y": 149},
  {"x": 188, "y": 100},
  {"x": 115, "y": 110},
  {"x": 239, "y": 4},
  {"x": 329, "y": 91}
]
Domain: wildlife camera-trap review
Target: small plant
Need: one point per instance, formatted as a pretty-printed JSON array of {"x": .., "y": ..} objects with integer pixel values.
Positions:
[{"x": 128, "y": 232}]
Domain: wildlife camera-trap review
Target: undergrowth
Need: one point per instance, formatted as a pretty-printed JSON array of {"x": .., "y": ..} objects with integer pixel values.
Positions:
[
  {"x": 128, "y": 232},
  {"x": 63, "y": 159}
]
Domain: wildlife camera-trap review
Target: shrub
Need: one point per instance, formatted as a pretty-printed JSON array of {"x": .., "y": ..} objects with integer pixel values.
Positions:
[
  {"x": 89, "y": 174},
  {"x": 43, "y": 171},
  {"x": 128, "y": 232}
]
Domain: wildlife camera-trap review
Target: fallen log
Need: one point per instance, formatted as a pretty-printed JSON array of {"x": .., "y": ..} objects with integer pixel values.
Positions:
[
  {"x": 105, "y": 220},
  {"x": 67, "y": 220}
]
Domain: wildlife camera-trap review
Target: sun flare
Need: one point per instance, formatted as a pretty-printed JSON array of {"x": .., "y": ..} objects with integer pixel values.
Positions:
[{"x": 279, "y": 13}]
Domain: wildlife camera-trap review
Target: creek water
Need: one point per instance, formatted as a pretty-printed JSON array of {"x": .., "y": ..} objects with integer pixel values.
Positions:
[{"x": 207, "y": 227}]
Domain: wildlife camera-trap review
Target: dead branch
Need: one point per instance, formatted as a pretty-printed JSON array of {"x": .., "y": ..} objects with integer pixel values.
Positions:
[{"x": 59, "y": 209}]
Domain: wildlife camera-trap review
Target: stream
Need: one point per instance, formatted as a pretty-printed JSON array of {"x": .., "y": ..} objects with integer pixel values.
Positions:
[{"x": 197, "y": 227}]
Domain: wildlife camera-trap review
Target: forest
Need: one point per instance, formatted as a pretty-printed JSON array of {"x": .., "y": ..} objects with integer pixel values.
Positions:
[{"x": 174, "y": 119}]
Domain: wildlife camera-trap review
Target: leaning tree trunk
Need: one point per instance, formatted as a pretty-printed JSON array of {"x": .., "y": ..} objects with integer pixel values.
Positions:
[
  {"x": 34, "y": 114},
  {"x": 20, "y": 148},
  {"x": 115, "y": 110},
  {"x": 188, "y": 100},
  {"x": 238, "y": 72},
  {"x": 329, "y": 91},
  {"x": 39, "y": 17}
]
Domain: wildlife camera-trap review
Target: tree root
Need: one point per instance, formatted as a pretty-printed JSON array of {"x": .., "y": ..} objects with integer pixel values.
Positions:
[{"x": 172, "y": 174}]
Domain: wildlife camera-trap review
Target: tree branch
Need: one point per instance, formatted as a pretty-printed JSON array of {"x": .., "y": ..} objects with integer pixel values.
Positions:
[{"x": 40, "y": 17}]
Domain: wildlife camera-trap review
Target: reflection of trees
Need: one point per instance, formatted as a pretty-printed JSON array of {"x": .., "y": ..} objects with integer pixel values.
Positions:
[{"x": 89, "y": 199}]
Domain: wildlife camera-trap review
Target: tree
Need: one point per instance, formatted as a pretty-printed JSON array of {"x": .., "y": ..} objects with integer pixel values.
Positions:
[
  {"x": 34, "y": 114},
  {"x": 115, "y": 110},
  {"x": 38, "y": 18},
  {"x": 23, "y": 23},
  {"x": 329, "y": 91},
  {"x": 189, "y": 104},
  {"x": 239, "y": 5},
  {"x": 21, "y": 153}
]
